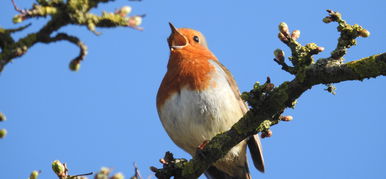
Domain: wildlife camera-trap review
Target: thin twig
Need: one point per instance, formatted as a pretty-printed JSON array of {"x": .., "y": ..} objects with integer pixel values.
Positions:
[{"x": 22, "y": 11}]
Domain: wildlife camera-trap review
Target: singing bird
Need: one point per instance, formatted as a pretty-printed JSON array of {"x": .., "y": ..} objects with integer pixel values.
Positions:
[{"x": 198, "y": 99}]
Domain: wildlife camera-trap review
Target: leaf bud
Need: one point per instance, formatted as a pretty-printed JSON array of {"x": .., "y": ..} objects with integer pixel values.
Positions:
[
  {"x": 295, "y": 34},
  {"x": 74, "y": 65},
  {"x": 58, "y": 168},
  {"x": 279, "y": 54},
  {"x": 283, "y": 28},
  {"x": 364, "y": 33},
  {"x": 34, "y": 175},
  {"x": 118, "y": 176},
  {"x": 3, "y": 133}
]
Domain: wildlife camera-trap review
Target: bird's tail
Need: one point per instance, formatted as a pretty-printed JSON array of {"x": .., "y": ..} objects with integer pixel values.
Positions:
[{"x": 256, "y": 151}]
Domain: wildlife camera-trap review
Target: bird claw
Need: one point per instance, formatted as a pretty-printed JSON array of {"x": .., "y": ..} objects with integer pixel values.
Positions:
[{"x": 201, "y": 147}]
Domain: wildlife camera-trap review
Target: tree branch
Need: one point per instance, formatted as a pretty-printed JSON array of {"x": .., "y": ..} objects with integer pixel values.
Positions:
[
  {"x": 267, "y": 103},
  {"x": 75, "y": 63},
  {"x": 74, "y": 12}
]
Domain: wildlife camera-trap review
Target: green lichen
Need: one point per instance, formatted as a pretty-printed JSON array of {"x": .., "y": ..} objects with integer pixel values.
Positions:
[
  {"x": 265, "y": 125},
  {"x": 188, "y": 169},
  {"x": 239, "y": 127},
  {"x": 280, "y": 94},
  {"x": 369, "y": 66},
  {"x": 293, "y": 104},
  {"x": 28, "y": 41},
  {"x": 62, "y": 13},
  {"x": 301, "y": 74}
]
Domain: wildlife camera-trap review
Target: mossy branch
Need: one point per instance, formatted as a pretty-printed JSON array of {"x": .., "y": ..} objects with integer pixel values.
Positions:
[
  {"x": 75, "y": 12},
  {"x": 267, "y": 102}
]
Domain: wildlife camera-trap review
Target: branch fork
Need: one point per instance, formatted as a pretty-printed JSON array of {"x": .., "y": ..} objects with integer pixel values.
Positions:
[{"x": 62, "y": 13}]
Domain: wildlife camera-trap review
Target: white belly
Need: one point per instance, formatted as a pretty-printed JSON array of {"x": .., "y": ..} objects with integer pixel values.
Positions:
[{"x": 191, "y": 117}]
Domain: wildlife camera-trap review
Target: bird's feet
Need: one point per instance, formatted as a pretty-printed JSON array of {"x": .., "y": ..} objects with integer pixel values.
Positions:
[
  {"x": 200, "y": 148},
  {"x": 202, "y": 145}
]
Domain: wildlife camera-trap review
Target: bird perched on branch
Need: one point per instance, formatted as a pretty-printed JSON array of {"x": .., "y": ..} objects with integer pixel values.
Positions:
[{"x": 198, "y": 99}]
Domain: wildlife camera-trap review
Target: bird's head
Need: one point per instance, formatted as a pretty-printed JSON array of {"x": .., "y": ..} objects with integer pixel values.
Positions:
[{"x": 185, "y": 38}]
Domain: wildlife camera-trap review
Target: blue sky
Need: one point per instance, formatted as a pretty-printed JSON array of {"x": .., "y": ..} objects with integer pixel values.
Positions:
[{"x": 105, "y": 114}]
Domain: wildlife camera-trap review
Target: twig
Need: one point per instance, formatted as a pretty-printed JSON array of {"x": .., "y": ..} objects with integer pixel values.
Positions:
[
  {"x": 22, "y": 11},
  {"x": 62, "y": 14},
  {"x": 75, "y": 63}
]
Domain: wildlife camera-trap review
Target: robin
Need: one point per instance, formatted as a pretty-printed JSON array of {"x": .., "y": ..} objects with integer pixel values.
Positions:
[{"x": 198, "y": 99}]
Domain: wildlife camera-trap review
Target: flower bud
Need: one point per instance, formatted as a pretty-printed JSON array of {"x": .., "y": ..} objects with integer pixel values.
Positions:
[
  {"x": 18, "y": 18},
  {"x": 3, "y": 133},
  {"x": 265, "y": 134},
  {"x": 279, "y": 54},
  {"x": 134, "y": 21},
  {"x": 118, "y": 176},
  {"x": 91, "y": 26},
  {"x": 286, "y": 118},
  {"x": 163, "y": 161},
  {"x": 105, "y": 171},
  {"x": 364, "y": 33},
  {"x": 125, "y": 10},
  {"x": 19, "y": 51},
  {"x": 74, "y": 65},
  {"x": 295, "y": 34},
  {"x": 327, "y": 20},
  {"x": 34, "y": 175},
  {"x": 283, "y": 28},
  {"x": 2, "y": 117},
  {"x": 58, "y": 168}
]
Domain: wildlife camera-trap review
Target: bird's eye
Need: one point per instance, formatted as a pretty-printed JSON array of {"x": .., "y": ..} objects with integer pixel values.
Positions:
[{"x": 196, "y": 39}]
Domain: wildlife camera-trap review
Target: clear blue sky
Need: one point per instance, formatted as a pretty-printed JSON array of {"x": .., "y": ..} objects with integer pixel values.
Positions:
[{"x": 105, "y": 114}]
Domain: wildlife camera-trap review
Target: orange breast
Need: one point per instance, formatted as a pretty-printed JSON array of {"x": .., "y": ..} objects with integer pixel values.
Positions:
[{"x": 187, "y": 67}]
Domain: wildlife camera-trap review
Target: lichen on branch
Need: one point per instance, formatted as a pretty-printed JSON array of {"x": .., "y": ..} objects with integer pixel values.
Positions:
[
  {"x": 61, "y": 13},
  {"x": 267, "y": 102}
]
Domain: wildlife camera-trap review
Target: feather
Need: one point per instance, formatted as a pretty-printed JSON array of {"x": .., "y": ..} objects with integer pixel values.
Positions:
[{"x": 253, "y": 142}]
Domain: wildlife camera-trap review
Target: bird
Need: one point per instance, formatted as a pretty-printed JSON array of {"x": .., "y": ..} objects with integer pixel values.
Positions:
[{"x": 198, "y": 98}]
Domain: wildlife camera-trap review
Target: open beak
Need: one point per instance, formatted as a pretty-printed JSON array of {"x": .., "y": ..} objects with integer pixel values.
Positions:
[{"x": 176, "y": 40}]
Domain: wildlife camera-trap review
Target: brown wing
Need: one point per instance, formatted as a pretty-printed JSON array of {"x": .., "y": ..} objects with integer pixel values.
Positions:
[{"x": 253, "y": 142}]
